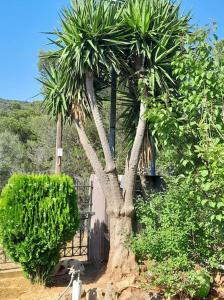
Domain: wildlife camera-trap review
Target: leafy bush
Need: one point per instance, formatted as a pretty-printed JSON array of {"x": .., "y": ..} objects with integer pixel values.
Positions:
[
  {"x": 179, "y": 275},
  {"x": 179, "y": 223},
  {"x": 180, "y": 234},
  {"x": 183, "y": 235},
  {"x": 38, "y": 214}
]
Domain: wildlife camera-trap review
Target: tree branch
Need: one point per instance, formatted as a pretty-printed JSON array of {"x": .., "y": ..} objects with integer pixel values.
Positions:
[
  {"x": 131, "y": 168},
  {"x": 93, "y": 159},
  {"x": 110, "y": 164}
]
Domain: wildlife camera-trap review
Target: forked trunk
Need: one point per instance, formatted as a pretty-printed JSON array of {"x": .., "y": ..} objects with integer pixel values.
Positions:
[
  {"x": 117, "y": 200},
  {"x": 119, "y": 207},
  {"x": 121, "y": 260},
  {"x": 93, "y": 159}
]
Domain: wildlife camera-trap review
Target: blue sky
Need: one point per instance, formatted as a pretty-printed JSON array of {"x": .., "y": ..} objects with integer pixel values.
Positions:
[{"x": 21, "y": 24}]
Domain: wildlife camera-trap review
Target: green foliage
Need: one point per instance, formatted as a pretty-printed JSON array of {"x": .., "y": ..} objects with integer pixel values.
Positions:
[
  {"x": 53, "y": 85},
  {"x": 44, "y": 62},
  {"x": 12, "y": 156},
  {"x": 183, "y": 231},
  {"x": 178, "y": 237},
  {"x": 88, "y": 41},
  {"x": 14, "y": 117},
  {"x": 128, "y": 35},
  {"x": 155, "y": 32},
  {"x": 36, "y": 153},
  {"x": 178, "y": 223},
  {"x": 90, "y": 37},
  {"x": 190, "y": 120},
  {"x": 155, "y": 29},
  {"x": 38, "y": 214},
  {"x": 177, "y": 275}
]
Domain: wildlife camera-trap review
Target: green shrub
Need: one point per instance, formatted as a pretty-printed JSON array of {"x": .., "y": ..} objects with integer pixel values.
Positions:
[
  {"x": 178, "y": 275},
  {"x": 183, "y": 231},
  {"x": 180, "y": 234},
  {"x": 38, "y": 214}
]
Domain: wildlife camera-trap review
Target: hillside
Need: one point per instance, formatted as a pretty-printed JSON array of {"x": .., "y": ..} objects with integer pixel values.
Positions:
[
  {"x": 27, "y": 142},
  {"x": 14, "y": 104}
]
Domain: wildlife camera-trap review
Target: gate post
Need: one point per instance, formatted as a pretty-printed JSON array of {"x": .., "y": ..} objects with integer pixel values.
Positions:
[{"x": 99, "y": 236}]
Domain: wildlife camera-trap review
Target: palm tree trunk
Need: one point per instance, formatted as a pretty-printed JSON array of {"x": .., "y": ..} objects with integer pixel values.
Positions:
[
  {"x": 153, "y": 159},
  {"x": 112, "y": 133},
  {"x": 93, "y": 159},
  {"x": 120, "y": 216},
  {"x": 131, "y": 169},
  {"x": 132, "y": 163},
  {"x": 121, "y": 260},
  {"x": 58, "y": 160},
  {"x": 110, "y": 165},
  {"x": 116, "y": 196}
]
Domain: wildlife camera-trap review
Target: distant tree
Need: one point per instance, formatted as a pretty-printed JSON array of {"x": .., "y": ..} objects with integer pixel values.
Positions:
[{"x": 12, "y": 156}]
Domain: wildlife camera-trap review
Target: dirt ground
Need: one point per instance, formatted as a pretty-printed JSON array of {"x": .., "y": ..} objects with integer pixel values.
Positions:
[
  {"x": 8, "y": 266},
  {"x": 19, "y": 288}
]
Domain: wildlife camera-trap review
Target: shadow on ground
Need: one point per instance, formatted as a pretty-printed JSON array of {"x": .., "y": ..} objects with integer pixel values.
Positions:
[{"x": 90, "y": 275}]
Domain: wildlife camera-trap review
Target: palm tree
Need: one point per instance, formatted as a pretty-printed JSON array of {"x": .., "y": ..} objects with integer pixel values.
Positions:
[
  {"x": 91, "y": 38},
  {"x": 98, "y": 35},
  {"x": 156, "y": 35},
  {"x": 52, "y": 86}
]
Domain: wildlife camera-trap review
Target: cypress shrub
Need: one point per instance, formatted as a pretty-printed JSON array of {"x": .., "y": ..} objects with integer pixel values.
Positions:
[{"x": 38, "y": 215}]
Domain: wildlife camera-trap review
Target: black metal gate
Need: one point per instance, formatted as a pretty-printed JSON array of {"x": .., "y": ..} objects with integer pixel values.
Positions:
[{"x": 79, "y": 246}]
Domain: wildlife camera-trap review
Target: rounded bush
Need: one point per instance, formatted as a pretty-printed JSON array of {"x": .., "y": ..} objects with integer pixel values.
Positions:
[{"x": 38, "y": 215}]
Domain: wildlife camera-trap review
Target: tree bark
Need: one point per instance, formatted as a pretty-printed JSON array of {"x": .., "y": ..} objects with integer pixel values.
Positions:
[
  {"x": 132, "y": 163},
  {"x": 110, "y": 165},
  {"x": 117, "y": 200},
  {"x": 131, "y": 169},
  {"x": 58, "y": 159},
  {"x": 93, "y": 159},
  {"x": 121, "y": 260},
  {"x": 113, "y": 111}
]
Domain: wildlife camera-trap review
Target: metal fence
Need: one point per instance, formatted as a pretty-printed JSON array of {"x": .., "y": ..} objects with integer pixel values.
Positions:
[{"x": 79, "y": 246}]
